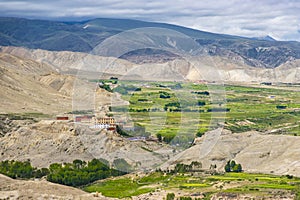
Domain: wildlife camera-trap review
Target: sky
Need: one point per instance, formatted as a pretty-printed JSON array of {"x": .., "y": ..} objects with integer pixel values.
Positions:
[{"x": 279, "y": 19}]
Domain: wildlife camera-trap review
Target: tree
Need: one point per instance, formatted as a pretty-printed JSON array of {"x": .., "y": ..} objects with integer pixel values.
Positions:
[
  {"x": 159, "y": 137},
  {"x": 232, "y": 166},
  {"x": 168, "y": 138},
  {"x": 201, "y": 103},
  {"x": 170, "y": 196},
  {"x": 239, "y": 168},
  {"x": 227, "y": 167},
  {"x": 78, "y": 163}
]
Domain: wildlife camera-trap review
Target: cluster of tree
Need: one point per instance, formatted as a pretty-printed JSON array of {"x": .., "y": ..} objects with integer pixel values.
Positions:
[
  {"x": 81, "y": 112},
  {"x": 183, "y": 168},
  {"x": 105, "y": 87},
  {"x": 113, "y": 80},
  {"x": 171, "y": 109},
  {"x": 139, "y": 110},
  {"x": 200, "y": 92},
  {"x": 73, "y": 174},
  {"x": 192, "y": 110},
  {"x": 160, "y": 85},
  {"x": 172, "y": 106},
  {"x": 218, "y": 110},
  {"x": 121, "y": 132},
  {"x": 201, "y": 132},
  {"x": 80, "y": 172},
  {"x": 176, "y": 86},
  {"x": 201, "y": 103},
  {"x": 18, "y": 169},
  {"x": 124, "y": 89},
  {"x": 164, "y": 95},
  {"x": 166, "y": 138},
  {"x": 138, "y": 130},
  {"x": 143, "y": 100},
  {"x": 281, "y": 107},
  {"x": 232, "y": 166}
]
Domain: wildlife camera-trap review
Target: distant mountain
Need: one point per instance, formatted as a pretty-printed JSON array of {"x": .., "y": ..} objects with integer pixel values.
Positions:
[
  {"x": 266, "y": 38},
  {"x": 84, "y": 36}
]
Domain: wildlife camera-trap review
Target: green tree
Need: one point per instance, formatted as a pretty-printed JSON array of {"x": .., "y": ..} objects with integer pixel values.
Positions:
[
  {"x": 232, "y": 164},
  {"x": 239, "y": 168},
  {"x": 227, "y": 167},
  {"x": 170, "y": 196},
  {"x": 159, "y": 137}
]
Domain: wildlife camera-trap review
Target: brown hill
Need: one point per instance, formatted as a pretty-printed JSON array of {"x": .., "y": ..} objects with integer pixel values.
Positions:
[
  {"x": 211, "y": 68},
  {"x": 31, "y": 86}
]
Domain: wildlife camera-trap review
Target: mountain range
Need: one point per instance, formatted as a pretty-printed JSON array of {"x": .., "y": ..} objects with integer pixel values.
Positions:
[{"x": 262, "y": 52}]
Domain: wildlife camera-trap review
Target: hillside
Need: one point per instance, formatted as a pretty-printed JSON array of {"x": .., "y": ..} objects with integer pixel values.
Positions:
[
  {"x": 25, "y": 90},
  {"x": 50, "y": 141},
  {"x": 257, "y": 152},
  {"x": 211, "y": 68},
  {"x": 85, "y": 36}
]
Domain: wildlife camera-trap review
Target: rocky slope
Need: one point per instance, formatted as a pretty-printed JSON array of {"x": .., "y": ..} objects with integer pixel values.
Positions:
[{"x": 49, "y": 141}]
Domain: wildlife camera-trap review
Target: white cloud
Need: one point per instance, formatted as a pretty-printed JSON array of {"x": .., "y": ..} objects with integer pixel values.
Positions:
[{"x": 250, "y": 18}]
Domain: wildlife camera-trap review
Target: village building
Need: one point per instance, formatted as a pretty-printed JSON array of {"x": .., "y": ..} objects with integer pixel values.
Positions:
[
  {"x": 107, "y": 123},
  {"x": 62, "y": 118},
  {"x": 105, "y": 120},
  {"x": 84, "y": 118}
]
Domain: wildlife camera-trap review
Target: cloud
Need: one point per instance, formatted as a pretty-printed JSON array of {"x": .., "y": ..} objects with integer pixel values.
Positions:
[{"x": 277, "y": 18}]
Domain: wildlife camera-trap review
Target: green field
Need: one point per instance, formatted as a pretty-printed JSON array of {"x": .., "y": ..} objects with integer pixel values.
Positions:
[
  {"x": 241, "y": 183},
  {"x": 183, "y": 109}
]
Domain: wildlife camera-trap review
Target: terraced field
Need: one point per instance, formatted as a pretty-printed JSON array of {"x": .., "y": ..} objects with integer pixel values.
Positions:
[
  {"x": 205, "y": 185},
  {"x": 184, "y": 109}
]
